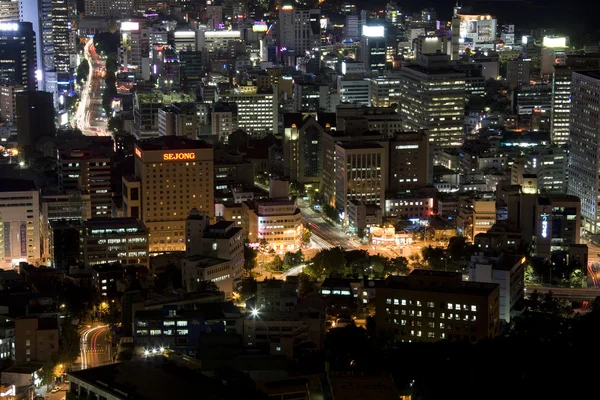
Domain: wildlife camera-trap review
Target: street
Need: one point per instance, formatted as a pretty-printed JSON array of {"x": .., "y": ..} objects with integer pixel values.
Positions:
[
  {"x": 95, "y": 347},
  {"x": 61, "y": 394},
  {"x": 89, "y": 113}
]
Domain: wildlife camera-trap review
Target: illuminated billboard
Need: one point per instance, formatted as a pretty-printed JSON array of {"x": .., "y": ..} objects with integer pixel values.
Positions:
[
  {"x": 323, "y": 22},
  {"x": 130, "y": 26},
  {"x": 9, "y": 26},
  {"x": 179, "y": 156},
  {"x": 260, "y": 26},
  {"x": 549, "y": 41},
  {"x": 138, "y": 152},
  {"x": 373, "y": 30}
]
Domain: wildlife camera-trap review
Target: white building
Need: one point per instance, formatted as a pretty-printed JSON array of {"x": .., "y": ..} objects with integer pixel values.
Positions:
[
  {"x": 217, "y": 41},
  {"x": 8, "y": 103},
  {"x": 178, "y": 120},
  {"x": 256, "y": 112},
  {"x": 354, "y": 90},
  {"x": 19, "y": 223},
  {"x": 508, "y": 271},
  {"x": 278, "y": 221},
  {"x": 299, "y": 31},
  {"x": 109, "y": 8}
]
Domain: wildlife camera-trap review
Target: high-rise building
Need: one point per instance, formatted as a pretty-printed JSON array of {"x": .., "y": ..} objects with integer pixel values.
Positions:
[
  {"x": 385, "y": 91},
  {"x": 428, "y": 306},
  {"x": 18, "y": 59},
  {"x": 409, "y": 161},
  {"x": 35, "y": 117},
  {"x": 361, "y": 174},
  {"x": 224, "y": 120},
  {"x": 9, "y": 10},
  {"x": 19, "y": 223},
  {"x": 173, "y": 174},
  {"x": 109, "y": 8},
  {"x": 373, "y": 47},
  {"x": 517, "y": 73},
  {"x": 299, "y": 32},
  {"x": 433, "y": 98},
  {"x": 256, "y": 113},
  {"x": 584, "y": 142},
  {"x": 8, "y": 101},
  {"x": 278, "y": 221},
  {"x": 302, "y": 151},
  {"x": 86, "y": 172},
  {"x": 190, "y": 69}
]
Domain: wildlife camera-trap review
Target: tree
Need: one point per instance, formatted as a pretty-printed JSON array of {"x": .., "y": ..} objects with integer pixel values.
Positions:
[
  {"x": 530, "y": 276},
  {"x": 293, "y": 259},
  {"x": 398, "y": 266},
  {"x": 276, "y": 264},
  {"x": 204, "y": 286},
  {"x": 434, "y": 256},
  {"x": 577, "y": 279},
  {"x": 328, "y": 262},
  {"x": 305, "y": 285},
  {"x": 250, "y": 256},
  {"x": 331, "y": 213},
  {"x": 83, "y": 71},
  {"x": 306, "y": 234},
  {"x": 69, "y": 344},
  {"x": 360, "y": 233}
]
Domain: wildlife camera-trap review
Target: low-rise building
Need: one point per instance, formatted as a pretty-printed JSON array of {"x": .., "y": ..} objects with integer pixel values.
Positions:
[
  {"x": 363, "y": 216},
  {"x": 434, "y": 305},
  {"x": 36, "y": 339},
  {"x": 195, "y": 269},
  {"x": 111, "y": 240},
  {"x": 278, "y": 221}
]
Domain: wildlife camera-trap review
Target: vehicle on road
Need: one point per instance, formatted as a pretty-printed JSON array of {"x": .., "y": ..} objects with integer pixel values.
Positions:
[{"x": 55, "y": 390}]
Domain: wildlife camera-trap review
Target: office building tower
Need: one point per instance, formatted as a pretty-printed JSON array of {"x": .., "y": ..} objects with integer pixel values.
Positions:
[
  {"x": 393, "y": 14},
  {"x": 9, "y": 10},
  {"x": 218, "y": 43},
  {"x": 146, "y": 106},
  {"x": 135, "y": 48},
  {"x": 18, "y": 59},
  {"x": 64, "y": 244},
  {"x": 56, "y": 50},
  {"x": 190, "y": 69},
  {"x": 361, "y": 174},
  {"x": 549, "y": 164},
  {"x": 86, "y": 172},
  {"x": 584, "y": 143},
  {"x": 109, "y": 8},
  {"x": 8, "y": 101},
  {"x": 561, "y": 94},
  {"x": 173, "y": 174},
  {"x": 373, "y": 47},
  {"x": 35, "y": 117},
  {"x": 114, "y": 240},
  {"x": 428, "y": 306},
  {"x": 433, "y": 98},
  {"x": 354, "y": 89},
  {"x": 385, "y": 91},
  {"x": 302, "y": 151},
  {"x": 256, "y": 112},
  {"x": 475, "y": 31},
  {"x": 517, "y": 73},
  {"x": 299, "y": 32},
  {"x": 19, "y": 223},
  {"x": 179, "y": 119},
  {"x": 409, "y": 161},
  {"x": 311, "y": 97}
]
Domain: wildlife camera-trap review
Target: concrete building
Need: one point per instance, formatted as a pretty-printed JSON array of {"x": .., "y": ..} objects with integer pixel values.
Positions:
[
  {"x": 302, "y": 148},
  {"x": 584, "y": 153},
  {"x": 36, "y": 339},
  {"x": 146, "y": 106},
  {"x": 299, "y": 31},
  {"x": 362, "y": 174},
  {"x": 355, "y": 90},
  {"x": 276, "y": 295},
  {"x": 224, "y": 120},
  {"x": 549, "y": 164},
  {"x": 9, "y": 11},
  {"x": 278, "y": 221},
  {"x": 35, "y": 117},
  {"x": 385, "y": 91},
  {"x": 8, "y": 101},
  {"x": 199, "y": 268},
  {"x": 86, "y": 172},
  {"x": 476, "y": 215},
  {"x": 373, "y": 47},
  {"x": 517, "y": 73},
  {"x": 256, "y": 113},
  {"x": 179, "y": 119},
  {"x": 424, "y": 85},
  {"x": 409, "y": 162},
  {"x": 428, "y": 306},
  {"x": 107, "y": 8},
  {"x": 362, "y": 216},
  {"x": 19, "y": 223},
  {"x": 112, "y": 240},
  {"x": 172, "y": 176},
  {"x": 19, "y": 55},
  {"x": 508, "y": 272}
]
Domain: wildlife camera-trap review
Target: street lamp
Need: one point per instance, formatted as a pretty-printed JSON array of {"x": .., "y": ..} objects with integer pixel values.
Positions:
[{"x": 254, "y": 312}]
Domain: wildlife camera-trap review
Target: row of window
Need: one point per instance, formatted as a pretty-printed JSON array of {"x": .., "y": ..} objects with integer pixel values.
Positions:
[{"x": 430, "y": 304}]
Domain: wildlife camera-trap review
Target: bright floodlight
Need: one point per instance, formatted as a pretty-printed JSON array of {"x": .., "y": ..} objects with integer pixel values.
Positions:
[
  {"x": 254, "y": 312},
  {"x": 162, "y": 349},
  {"x": 154, "y": 351},
  {"x": 146, "y": 352}
]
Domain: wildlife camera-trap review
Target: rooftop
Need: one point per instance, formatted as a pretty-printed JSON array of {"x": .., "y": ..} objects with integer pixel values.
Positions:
[
  {"x": 172, "y": 143},
  {"x": 17, "y": 185},
  {"x": 151, "y": 378},
  {"x": 205, "y": 261},
  {"x": 207, "y": 311},
  {"x": 105, "y": 222}
]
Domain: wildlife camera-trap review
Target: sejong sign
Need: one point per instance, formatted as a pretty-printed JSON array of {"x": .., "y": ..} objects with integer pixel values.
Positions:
[{"x": 179, "y": 156}]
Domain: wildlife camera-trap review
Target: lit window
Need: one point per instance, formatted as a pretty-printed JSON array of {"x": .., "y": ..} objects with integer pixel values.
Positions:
[
  {"x": 403, "y": 302},
  {"x": 474, "y": 308},
  {"x": 430, "y": 334},
  {"x": 388, "y": 301},
  {"x": 430, "y": 304},
  {"x": 450, "y": 306},
  {"x": 396, "y": 302},
  {"x": 419, "y": 304}
]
